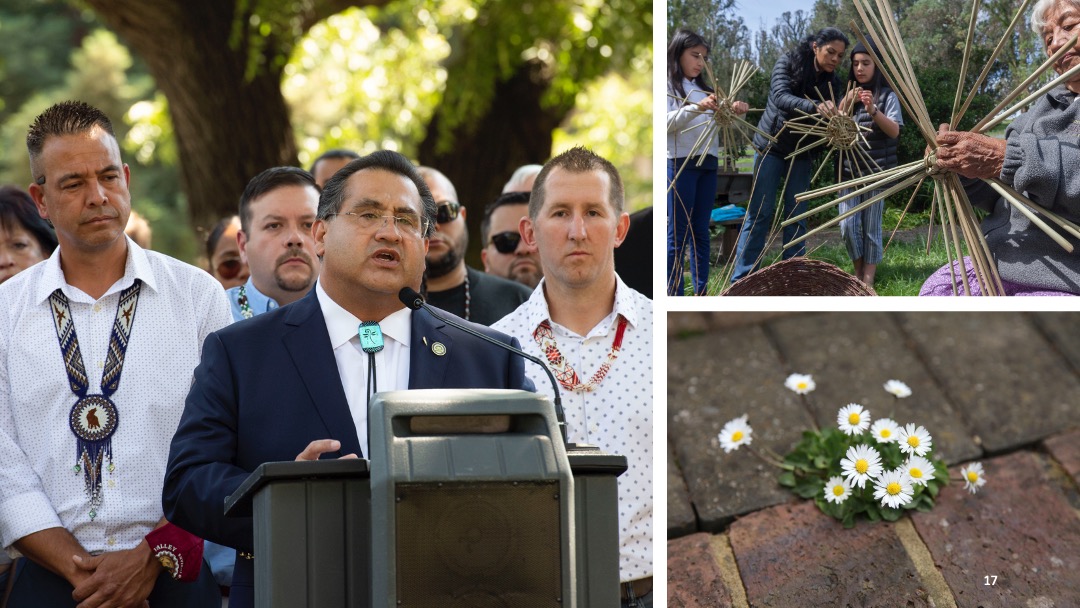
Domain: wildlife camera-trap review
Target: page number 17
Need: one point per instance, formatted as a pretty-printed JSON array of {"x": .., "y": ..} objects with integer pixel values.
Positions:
[{"x": 990, "y": 579}]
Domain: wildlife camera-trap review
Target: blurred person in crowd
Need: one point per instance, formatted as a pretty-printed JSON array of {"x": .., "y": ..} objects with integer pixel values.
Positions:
[
  {"x": 277, "y": 210},
  {"x": 505, "y": 254},
  {"x": 451, "y": 284},
  {"x": 25, "y": 238},
  {"x": 223, "y": 253},
  {"x": 328, "y": 164}
]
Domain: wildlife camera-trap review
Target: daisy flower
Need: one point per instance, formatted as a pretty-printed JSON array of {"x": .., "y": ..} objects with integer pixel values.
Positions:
[
  {"x": 914, "y": 440},
  {"x": 735, "y": 433},
  {"x": 973, "y": 476},
  {"x": 800, "y": 383},
  {"x": 853, "y": 419},
  {"x": 885, "y": 430},
  {"x": 919, "y": 469},
  {"x": 893, "y": 488},
  {"x": 898, "y": 389},
  {"x": 837, "y": 490},
  {"x": 861, "y": 463}
]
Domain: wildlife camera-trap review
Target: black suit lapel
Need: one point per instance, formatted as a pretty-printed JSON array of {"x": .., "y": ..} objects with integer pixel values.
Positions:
[
  {"x": 429, "y": 353},
  {"x": 308, "y": 343}
]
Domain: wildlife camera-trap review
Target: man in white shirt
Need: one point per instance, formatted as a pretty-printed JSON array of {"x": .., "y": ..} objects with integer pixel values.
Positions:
[
  {"x": 277, "y": 210},
  {"x": 596, "y": 335},
  {"x": 97, "y": 345},
  {"x": 294, "y": 383}
]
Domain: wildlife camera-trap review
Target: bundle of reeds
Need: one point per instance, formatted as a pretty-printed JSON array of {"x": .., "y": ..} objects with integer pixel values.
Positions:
[{"x": 953, "y": 209}]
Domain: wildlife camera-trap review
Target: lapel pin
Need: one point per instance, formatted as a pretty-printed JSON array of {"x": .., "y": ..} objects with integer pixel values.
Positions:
[
  {"x": 438, "y": 348},
  {"x": 425, "y": 340}
]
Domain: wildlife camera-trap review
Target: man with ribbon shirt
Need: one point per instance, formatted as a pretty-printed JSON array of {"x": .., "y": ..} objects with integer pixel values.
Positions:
[
  {"x": 451, "y": 285},
  {"x": 97, "y": 345},
  {"x": 596, "y": 335},
  {"x": 277, "y": 209},
  {"x": 294, "y": 383}
]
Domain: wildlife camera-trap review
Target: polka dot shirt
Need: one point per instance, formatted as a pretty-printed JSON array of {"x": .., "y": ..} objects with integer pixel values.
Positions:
[{"x": 617, "y": 415}]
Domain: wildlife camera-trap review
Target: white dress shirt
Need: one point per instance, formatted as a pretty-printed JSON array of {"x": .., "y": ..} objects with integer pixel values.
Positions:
[
  {"x": 179, "y": 305},
  {"x": 617, "y": 415},
  {"x": 391, "y": 363}
]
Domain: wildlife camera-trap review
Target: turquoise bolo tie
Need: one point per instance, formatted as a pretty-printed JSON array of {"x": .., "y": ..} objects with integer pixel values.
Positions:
[{"x": 371, "y": 342}]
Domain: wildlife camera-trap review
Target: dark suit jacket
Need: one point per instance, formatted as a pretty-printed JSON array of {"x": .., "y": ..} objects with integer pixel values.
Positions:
[{"x": 268, "y": 386}]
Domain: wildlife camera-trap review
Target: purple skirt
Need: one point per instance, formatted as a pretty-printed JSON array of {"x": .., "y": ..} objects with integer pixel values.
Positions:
[{"x": 940, "y": 284}]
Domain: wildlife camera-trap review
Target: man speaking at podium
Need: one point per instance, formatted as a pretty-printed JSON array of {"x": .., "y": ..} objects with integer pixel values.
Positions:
[{"x": 294, "y": 383}]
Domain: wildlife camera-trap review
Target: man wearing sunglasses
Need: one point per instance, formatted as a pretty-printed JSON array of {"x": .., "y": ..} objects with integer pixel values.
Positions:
[
  {"x": 277, "y": 210},
  {"x": 505, "y": 254},
  {"x": 451, "y": 284},
  {"x": 596, "y": 335}
]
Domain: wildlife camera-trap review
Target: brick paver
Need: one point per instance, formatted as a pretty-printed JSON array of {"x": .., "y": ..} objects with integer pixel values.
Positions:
[
  {"x": 680, "y": 513},
  {"x": 794, "y": 555},
  {"x": 1000, "y": 372},
  {"x": 694, "y": 578},
  {"x": 851, "y": 356},
  {"x": 712, "y": 379},
  {"x": 1020, "y": 529},
  {"x": 1065, "y": 448}
]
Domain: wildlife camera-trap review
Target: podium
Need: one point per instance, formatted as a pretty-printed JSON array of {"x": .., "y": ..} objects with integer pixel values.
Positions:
[{"x": 471, "y": 499}]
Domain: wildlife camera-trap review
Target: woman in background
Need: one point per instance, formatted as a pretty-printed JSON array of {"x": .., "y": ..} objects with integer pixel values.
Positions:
[
  {"x": 799, "y": 76},
  {"x": 878, "y": 109},
  {"x": 223, "y": 254},
  {"x": 690, "y": 197},
  {"x": 25, "y": 238}
]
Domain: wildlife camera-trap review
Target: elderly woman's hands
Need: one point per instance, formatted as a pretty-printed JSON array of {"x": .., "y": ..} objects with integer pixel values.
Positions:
[
  {"x": 969, "y": 154},
  {"x": 740, "y": 107}
]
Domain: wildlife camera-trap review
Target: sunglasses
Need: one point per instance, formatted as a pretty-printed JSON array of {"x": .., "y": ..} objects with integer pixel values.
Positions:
[
  {"x": 506, "y": 242},
  {"x": 447, "y": 212},
  {"x": 230, "y": 269}
]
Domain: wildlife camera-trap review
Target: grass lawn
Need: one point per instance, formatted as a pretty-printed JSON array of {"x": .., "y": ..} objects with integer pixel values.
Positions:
[{"x": 905, "y": 267}]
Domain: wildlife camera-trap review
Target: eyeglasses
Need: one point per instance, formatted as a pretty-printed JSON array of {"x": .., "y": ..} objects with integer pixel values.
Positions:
[
  {"x": 230, "y": 268},
  {"x": 506, "y": 242},
  {"x": 368, "y": 221},
  {"x": 447, "y": 212}
]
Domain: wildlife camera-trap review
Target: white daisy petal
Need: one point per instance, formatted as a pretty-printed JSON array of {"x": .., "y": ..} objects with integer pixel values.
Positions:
[
  {"x": 853, "y": 419},
  {"x": 800, "y": 383},
  {"x": 919, "y": 469},
  {"x": 893, "y": 489},
  {"x": 898, "y": 389},
  {"x": 735, "y": 433},
  {"x": 973, "y": 476},
  {"x": 914, "y": 440},
  {"x": 837, "y": 490},
  {"x": 860, "y": 464},
  {"x": 885, "y": 430}
]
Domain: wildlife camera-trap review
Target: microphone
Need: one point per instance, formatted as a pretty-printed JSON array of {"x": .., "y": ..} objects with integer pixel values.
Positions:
[{"x": 410, "y": 298}]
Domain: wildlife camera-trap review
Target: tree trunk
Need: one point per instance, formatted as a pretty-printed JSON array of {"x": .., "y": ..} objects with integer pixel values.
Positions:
[
  {"x": 516, "y": 130},
  {"x": 228, "y": 127}
]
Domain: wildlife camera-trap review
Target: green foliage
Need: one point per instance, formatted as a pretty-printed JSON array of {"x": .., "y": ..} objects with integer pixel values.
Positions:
[
  {"x": 570, "y": 43},
  {"x": 816, "y": 458}
]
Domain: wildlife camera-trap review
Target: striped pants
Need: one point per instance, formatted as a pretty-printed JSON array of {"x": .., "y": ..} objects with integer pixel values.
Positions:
[{"x": 862, "y": 231}]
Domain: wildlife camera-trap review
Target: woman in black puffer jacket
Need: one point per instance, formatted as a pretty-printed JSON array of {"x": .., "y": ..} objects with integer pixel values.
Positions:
[{"x": 801, "y": 80}]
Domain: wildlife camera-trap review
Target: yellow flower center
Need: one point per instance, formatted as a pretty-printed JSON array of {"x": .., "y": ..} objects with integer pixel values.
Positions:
[
  {"x": 838, "y": 490},
  {"x": 973, "y": 476},
  {"x": 861, "y": 465},
  {"x": 802, "y": 386},
  {"x": 913, "y": 441},
  {"x": 853, "y": 419},
  {"x": 893, "y": 488},
  {"x": 886, "y": 433},
  {"x": 736, "y": 436},
  {"x": 916, "y": 473}
]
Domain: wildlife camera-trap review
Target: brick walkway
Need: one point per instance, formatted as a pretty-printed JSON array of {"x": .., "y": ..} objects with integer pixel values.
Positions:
[{"x": 1003, "y": 388}]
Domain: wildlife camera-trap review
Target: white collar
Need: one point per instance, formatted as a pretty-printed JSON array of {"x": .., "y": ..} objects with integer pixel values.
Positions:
[
  {"x": 342, "y": 325},
  {"x": 137, "y": 266}
]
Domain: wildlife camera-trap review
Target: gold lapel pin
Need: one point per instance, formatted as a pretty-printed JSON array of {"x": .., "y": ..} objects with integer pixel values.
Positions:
[{"x": 438, "y": 348}]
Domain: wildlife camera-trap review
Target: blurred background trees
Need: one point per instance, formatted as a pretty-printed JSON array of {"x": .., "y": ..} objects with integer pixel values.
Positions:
[{"x": 207, "y": 93}]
